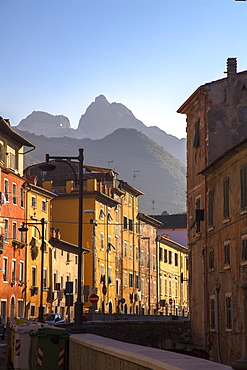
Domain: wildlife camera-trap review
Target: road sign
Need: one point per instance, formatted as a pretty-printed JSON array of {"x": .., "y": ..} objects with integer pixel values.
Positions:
[
  {"x": 170, "y": 300},
  {"x": 93, "y": 298}
]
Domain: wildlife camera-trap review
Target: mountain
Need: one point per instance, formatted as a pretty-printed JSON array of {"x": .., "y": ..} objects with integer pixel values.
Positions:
[
  {"x": 140, "y": 161},
  {"x": 100, "y": 119}
]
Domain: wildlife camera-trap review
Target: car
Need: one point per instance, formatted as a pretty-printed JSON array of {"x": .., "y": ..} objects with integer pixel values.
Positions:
[
  {"x": 2, "y": 328},
  {"x": 53, "y": 318}
]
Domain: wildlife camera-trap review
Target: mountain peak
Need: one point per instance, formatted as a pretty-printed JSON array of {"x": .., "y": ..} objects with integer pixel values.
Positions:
[{"x": 101, "y": 99}]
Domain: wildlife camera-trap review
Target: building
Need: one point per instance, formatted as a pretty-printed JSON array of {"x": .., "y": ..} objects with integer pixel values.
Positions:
[
  {"x": 174, "y": 226},
  {"x": 12, "y": 214},
  {"x": 173, "y": 277},
  {"x": 216, "y": 125},
  {"x": 38, "y": 207}
]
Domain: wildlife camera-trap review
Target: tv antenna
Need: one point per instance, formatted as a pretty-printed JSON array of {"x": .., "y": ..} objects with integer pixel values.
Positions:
[{"x": 134, "y": 176}]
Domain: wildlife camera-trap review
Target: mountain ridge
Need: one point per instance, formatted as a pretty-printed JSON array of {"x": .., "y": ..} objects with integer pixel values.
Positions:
[
  {"x": 100, "y": 119},
  {"x": 160, "y": 175}
]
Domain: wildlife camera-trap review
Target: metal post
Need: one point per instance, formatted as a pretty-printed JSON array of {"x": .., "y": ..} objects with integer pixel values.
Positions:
[
  {"x": 241, "y": 364},
  {"x": 79, "y": 303},
  {"x": 149, "y": 272},
  {"x": 41, "y": 308}
]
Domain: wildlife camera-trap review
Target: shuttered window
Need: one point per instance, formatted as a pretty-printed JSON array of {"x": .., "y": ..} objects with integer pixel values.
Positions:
[
  {"x": 243, "y": 186},
  {"x": 211, "y": 207},
  {"x": 226, "y": 195},
  {"x": 197, "y": 135},
  {"x": 229, "y": 312}
]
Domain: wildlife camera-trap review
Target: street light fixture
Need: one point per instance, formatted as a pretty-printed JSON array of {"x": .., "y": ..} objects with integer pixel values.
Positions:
[
  {"x": 50, "y": 167},
  {"x": 24, "y": 229}
]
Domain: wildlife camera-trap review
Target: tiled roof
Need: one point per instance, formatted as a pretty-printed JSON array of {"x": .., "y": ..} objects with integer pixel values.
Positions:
[{"x": 175, "y": 221}]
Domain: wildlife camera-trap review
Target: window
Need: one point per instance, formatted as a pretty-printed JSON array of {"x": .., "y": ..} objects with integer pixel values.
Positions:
[
  {"x": 45, "y": 277},
  {"x": 125, "y": 278},
  {"x": 196, "y": 143},
  {"x": 228, "y": 312},
  {"x": 137, "y": 282},
  {"x": 212, "y": 313},
  {"x": 43, "y": 205},
  {"x": 154, "y": 262},
  {"x": 170, "y": 257},
  {"x": 142, "y": 258},
  {"x": 137, "y": 253},
  {"x": 142, "y": 286},
  {"x": 130, "y": 224},
  {"x": 22, "y": 198},
  {"x": 21, "y": 271},
  {"x": 160, "y": 253},
  {"x": 116, "y": 230},
  {"x": 61, "y": 282},
  {"x": 244, "y": 249},
  {"x": 165, "y": 285},
  {"x": 131, "y": 251},
  {"x": 125, "y": 249},
  {"x": 131, "y": 280},
  {"x": 226, "y": 198},
  {"x": 34, "y": 276},
  {"x": 176, "y": 259},
  {"x": 165, "y": 255},
  {"x": 14, "y": 195},
  {"x": 6, "y": 229},
  {"x": 110, "y": 281},
  {"x": 154, "y": 289},
  {"x": 170, "y": 287},
  {"x": 161, "y": 285},
  {"x": 227, "y": 257},
  {"x": 211, "y": 207},
  {"x": 211, "y": 259},
  {"x": 13, "y": 272},
  {"x": 198, "y": 206},
  {"x": 54, "y": 279},
  {"x": 102, "y": 274},
  {"x": 125, "y": 223},
  {"x": 32, "y": 310},
  {"x": 243, "y": 187},
  {"x": 102, "y": 241},
  {"x": 176, "y": 288},
  {"x": 33, "y": 201},
  {"x": 5, "y": 268},
  {"x": 14, "y": 230},
  {"x": 6, "y": 189}
]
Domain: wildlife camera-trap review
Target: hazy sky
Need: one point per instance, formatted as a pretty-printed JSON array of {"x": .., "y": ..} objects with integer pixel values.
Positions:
[{"x": 150, "y": 55}]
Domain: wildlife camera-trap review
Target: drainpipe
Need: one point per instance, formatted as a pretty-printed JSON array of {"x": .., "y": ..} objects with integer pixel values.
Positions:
[{"x": 217, "y": 324}]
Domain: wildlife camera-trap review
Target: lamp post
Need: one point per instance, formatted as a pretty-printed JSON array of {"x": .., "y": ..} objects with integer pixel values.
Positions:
[
  {"x": 22, "y": 229},
  {"x": 50, "y": 167},
  {"x": 149, "y": 272}
]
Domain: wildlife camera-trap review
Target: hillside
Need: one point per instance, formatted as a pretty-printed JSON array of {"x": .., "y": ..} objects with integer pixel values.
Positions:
[
  {"x": 101, "y": 118},
  {"x": 160, "y": 176}
]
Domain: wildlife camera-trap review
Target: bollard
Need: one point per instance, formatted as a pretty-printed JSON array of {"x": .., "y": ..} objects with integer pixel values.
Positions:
[{"x": 241, "y": 364}]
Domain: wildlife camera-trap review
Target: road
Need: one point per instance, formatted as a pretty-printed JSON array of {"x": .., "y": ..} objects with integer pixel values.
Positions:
[{"x": 3, "y": 344}]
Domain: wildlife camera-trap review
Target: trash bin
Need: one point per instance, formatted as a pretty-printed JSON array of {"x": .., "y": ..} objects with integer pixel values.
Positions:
[
  {"x": 22, "y": 344},
  {"x": 49, "y": 348}
]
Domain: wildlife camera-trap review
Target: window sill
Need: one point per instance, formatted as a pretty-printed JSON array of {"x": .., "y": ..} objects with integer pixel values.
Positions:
[
  {"x": 227, "y": 267},
  {"x": 226, "y": 220}
]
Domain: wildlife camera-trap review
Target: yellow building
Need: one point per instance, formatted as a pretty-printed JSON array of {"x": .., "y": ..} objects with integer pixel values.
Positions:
[
  {"x": 173, "y": 277},
  {"x": 38, "y": 207}
]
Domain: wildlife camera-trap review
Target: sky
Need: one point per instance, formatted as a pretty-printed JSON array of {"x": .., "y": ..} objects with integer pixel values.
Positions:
[{"x": 57, "y": 56}]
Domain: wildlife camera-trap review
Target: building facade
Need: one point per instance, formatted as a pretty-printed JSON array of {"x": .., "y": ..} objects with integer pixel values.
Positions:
[{"x": 216, "y": 122}]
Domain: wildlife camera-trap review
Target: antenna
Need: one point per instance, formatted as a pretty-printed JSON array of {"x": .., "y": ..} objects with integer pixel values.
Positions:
[
  {"x": 134, "y": 176},
  {"x": 153, "y": 201},
  {"x": 109, "y": 163}
]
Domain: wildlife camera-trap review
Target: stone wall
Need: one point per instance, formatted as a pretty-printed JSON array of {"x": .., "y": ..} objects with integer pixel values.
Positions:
[{"x": 170, "y": 335}]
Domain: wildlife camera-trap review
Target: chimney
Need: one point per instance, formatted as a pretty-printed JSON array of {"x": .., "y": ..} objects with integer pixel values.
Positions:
[{"x": 231, "y": 67}]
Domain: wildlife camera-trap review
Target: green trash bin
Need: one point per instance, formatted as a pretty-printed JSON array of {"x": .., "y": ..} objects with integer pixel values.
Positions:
[{"x": 49, "y": 349}]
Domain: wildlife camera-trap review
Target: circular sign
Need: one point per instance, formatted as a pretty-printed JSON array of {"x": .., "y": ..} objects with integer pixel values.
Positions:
[
  {"x": 104, "y": 289},
  {"x": 122, "y": 300},
  {"x": 170, "y": 300},
  {"x": 93, "y": 298}
]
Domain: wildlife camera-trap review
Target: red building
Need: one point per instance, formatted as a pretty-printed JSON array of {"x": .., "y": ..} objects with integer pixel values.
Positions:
[{"x": 12, "y": 214}]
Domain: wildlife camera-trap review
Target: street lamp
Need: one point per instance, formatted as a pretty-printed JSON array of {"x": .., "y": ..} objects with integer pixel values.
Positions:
[
  {"x": 23, "y": 229},
  {"x": 50, "y": 167},
  {"x": 149, "y": 272}
]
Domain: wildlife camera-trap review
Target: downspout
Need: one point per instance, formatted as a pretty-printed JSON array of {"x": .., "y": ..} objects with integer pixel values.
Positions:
[
  {"x": 157, "y": 274},
  {"x": 217, "y": 290}
]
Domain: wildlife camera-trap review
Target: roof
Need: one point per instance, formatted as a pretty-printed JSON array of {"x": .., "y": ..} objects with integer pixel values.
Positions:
[
  {"x": 6, "y": 129},
  {"x": 175, "y": 221},
  {"x": 149, "y": 220},
  {"x": 66, "y": 246}
]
